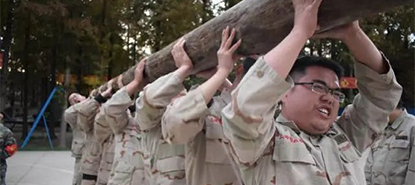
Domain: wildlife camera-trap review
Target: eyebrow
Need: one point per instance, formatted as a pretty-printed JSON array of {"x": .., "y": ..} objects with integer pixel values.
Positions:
[{"x": 324, "y": 83}]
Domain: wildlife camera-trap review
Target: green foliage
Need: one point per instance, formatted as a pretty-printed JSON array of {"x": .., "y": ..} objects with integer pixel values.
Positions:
[{"x": 393, "y": 33}]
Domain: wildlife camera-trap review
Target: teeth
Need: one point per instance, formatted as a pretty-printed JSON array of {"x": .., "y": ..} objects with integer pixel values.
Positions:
[{"x": 325, "y": 111}]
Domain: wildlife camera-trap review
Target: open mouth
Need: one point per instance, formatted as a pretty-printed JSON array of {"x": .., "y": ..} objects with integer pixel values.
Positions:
[{"x": 325, "y": 112}]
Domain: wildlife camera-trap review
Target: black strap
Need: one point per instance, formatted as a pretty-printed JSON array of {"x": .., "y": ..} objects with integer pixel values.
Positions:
[
  {"x": 100, "y": 99},
  {"x": 89, "y": 177}
]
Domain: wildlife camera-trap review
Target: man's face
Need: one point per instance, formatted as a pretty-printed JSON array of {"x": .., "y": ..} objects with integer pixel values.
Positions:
[
  {"x": 1, "y": 116},
  {"x": 313, "y": 113},
  {"x": 75, "y": 98}
]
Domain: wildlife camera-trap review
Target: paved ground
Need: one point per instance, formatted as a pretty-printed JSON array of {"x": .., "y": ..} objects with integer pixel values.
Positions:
[
  {"x": 47, "y": 168},
  {"x": 40, "y": 168}
]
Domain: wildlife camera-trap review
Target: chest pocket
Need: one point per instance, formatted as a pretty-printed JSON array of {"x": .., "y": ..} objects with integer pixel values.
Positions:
[
  {"x": 170, "y": 158},
  {"x": 171, "y": 164},
  {"x": 291, "y": 149},
  {"x": 215, "y": 141},
  {"x": 348, "y": 152},
  {"x": 399, "y": 149}
]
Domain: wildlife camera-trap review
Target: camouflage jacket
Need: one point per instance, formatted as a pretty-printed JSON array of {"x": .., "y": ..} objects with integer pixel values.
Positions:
[
  {"x": 391, "y": 160},
  {"x": 7, "y": 142},
  {"x": 270, "y": 151}
]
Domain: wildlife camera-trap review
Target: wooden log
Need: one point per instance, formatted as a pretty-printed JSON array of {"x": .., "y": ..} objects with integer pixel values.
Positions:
[{"x": 261, "y": 24}]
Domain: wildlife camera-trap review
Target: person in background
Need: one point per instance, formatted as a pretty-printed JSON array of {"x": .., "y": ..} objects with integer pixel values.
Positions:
[
  {"x": 391, "y": 159},
  {"x": 8, "y": 148},
  {"x": 194, "y": 119},
  {"x": 78, "y": 137}
]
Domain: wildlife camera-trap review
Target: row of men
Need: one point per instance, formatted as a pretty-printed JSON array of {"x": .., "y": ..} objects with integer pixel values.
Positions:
[{"x": 173, "y": 136}]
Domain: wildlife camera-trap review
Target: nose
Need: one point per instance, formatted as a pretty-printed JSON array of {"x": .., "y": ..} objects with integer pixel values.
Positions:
[{"x": 328, "y": 98}]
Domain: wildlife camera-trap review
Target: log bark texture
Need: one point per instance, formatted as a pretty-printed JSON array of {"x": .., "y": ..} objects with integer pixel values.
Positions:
[{"x": 261, "y": 24}]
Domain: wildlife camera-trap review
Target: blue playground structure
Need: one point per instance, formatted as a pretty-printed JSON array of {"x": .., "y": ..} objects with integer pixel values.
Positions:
[{"x": 40, "y": 116}]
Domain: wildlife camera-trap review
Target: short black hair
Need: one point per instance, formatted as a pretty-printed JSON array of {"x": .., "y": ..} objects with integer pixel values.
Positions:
[
  {"x": 302, "y": 63},
  {"x": 5, "y": 116},
  {"x": 247, "y": 63}
]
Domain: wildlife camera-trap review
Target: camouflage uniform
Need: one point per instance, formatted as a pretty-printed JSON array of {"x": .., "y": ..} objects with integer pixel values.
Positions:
[
  {"x": 128, "y": 166},
  {"x": 391, "y": 160},
  {"x": 189, "y": 121},
  {"x": 164, "y": 163},
  {"x": 272, "y": 151},
  {"x": 8, "y": 147},
  {"x": 107, "y": 159},
  {"x": 104, "y": 138},
  {"x": 78, "y": 141},
  {"x": 88, "y": 114}
]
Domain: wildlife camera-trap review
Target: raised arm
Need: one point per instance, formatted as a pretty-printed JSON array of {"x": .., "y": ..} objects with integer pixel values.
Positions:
[
  {"x": 102, "y": 130},
  {"x": 360, "y": 45},
  {"x": 115, "y": 109},
  {"x": 88, "y": 109},
  {"x": 282, "y": 57},
  {"x": 249, "y": 120},
  {"x": 226, "y": 60},
  {"x": 379, "y": 91},
  {"x": 186, "y": 114},
  {"x": 155, "y": 97}
]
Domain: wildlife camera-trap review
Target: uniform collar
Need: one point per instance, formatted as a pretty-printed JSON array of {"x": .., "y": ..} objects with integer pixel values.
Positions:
[
  {"x": 283, "y": 121},
  {"x": 399, "y": 120}
]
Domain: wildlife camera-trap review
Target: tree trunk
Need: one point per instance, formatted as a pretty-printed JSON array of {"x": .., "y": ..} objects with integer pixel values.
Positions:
[
  {"x": 261, "y": 25},
  {"x": 25, "y": 102},
  {"x": 26, "y": 80},
  {"x": 79, "y": 71},
  {"x": 53, "y": 116},
  {"x": 7, "y": 44},
  {"x": 12, "y": 98},
  {"x": 111, "y": 60},
  {"x": 104, "y": 12}
]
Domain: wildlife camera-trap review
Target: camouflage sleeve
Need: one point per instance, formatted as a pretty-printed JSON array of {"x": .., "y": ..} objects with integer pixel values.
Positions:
[
  {"x": 185, "y": 114},
  {"x": 70, "y": 116},
  {"x": 115, "y": 111},
  {"x": 410, "y": 173},
  {"x": 367, "y": 116},
  {"x": 102, "y": 130},
  {"x": 87, "y": 111},
  {"x": 248, "y": 120},
  {"x": 154, "y": 99},
  {"x": 9, "y": 143}
]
